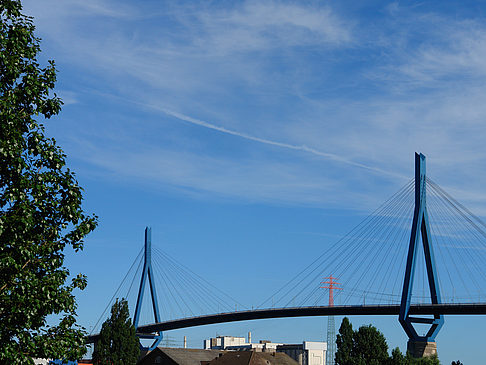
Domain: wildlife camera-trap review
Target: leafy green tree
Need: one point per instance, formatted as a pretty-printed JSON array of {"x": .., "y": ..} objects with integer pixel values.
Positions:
[
  {"x": 40, "y": 206},
  {"x": 397, "y": 358},
  {"x": 366, "y": 346},
  {"x": 369, "y": 346},
  {"x": 344, "y": 343},
  {"x": 117, "y": 344}
]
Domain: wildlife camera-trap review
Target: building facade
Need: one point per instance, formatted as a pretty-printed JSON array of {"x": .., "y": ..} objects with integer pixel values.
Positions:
[{"x": 306, "y": 353}]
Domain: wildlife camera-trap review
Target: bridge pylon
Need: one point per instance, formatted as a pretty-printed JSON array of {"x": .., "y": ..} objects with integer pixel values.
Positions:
[
  {"x": 420, "y": 345},
  {"x": 148, "y": 273}
]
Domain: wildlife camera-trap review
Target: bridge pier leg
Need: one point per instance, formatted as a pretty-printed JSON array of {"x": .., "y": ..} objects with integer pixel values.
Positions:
[
  {"x": 422, "y": 348},
  {"x": 148, "y": 273},
  {"x": 420, "y": 345}
]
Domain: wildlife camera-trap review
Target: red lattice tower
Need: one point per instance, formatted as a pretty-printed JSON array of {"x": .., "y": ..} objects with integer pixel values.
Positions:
[
  {"x": 331, "y": 330},
  {"x": 331, "y": 286}
]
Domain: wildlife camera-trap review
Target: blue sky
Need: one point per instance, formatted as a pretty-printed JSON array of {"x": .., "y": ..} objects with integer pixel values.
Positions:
[{"x": 252, "y": 135}]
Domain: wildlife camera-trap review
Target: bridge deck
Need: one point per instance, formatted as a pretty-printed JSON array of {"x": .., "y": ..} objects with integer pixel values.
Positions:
[{"x": 350, "y": 310}]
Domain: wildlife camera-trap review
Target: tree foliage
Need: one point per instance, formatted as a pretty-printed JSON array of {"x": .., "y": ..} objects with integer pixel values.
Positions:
[
  {"x": 367, "y": 346},
  {"x": 397, "y": 357},
  {"x": 40, "y": 206},
  {"x": 117, "y": 344},
  {"x": 344, "y": 343}
]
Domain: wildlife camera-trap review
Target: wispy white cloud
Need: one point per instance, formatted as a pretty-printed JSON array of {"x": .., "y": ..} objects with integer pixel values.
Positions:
[
  {"x": 195, "y": 174},
  {"x": 266, "y": 25},
  {"x": 432, "y": 51},
  {"x": 463, "y": 54},
  {"x": 46, "y": 11},
  {"x": 208, "y": 47},
  {"x": 300, "y": 77}
]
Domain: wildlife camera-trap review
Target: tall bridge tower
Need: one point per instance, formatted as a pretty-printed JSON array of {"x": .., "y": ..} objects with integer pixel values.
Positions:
[
  {"x": 419, "y": 345},
  {"x": 148, "y": 273}
]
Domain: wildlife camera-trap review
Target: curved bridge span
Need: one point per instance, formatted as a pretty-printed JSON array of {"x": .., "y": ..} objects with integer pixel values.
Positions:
[{"x": 350, "y": 310}]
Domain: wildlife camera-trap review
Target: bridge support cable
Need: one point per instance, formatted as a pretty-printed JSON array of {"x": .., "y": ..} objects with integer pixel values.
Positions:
[
  {"x": 174, "y": 289},
  {"x": 197, "y": 294},
  {"x": 169, "y": 292},
  {"x": 372, "y": 258},
  {"x": 129, "y": 290},
  {"x": 308, "y": 276},
  {"x": 361, "y": 276},
  {"x": 462, "y": 236},
  {"x": 420, "y": 228},
  {"x": 379, "y": 262},
  {"x": 372, "y": 245},
  {"x": 137, "y": 261},
  {"x": 443, "y": 241}
]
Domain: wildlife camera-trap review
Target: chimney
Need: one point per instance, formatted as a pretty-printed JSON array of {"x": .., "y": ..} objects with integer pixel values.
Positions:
[
  {"x": 185, "y": 342},
  {"x": 249, "y": 337}
]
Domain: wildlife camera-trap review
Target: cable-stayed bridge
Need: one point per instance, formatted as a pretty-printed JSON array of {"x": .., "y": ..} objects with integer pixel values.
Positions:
[{"x": 418, "y": 256}]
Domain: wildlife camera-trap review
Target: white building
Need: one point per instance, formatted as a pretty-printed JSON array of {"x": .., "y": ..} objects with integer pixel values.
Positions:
[
  {"x": 307, "y": 353},
  {"x": 222, "y": 342}
]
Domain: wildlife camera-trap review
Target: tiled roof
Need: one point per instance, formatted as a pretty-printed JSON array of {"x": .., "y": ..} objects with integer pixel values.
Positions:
[
  {"x": 189, "y": 356},
  {"x": 253, "y": 358}
]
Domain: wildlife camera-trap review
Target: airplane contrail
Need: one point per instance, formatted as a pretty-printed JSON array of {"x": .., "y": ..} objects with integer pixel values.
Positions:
[{"x": 304, "y": 148}]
